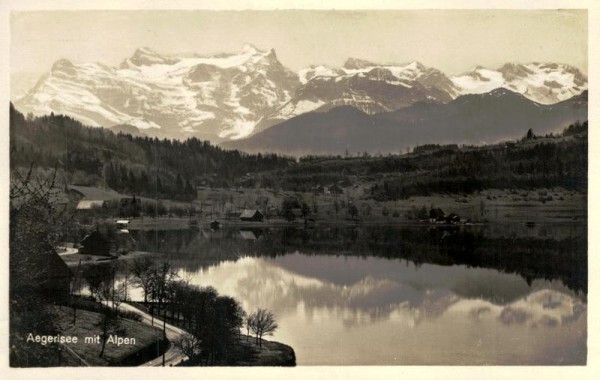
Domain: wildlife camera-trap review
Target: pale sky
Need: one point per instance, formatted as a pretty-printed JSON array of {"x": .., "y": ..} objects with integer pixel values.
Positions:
[{"x": 453, "y": 41}]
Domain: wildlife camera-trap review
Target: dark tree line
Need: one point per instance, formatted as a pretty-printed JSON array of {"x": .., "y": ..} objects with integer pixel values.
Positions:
[
  {"x": 213, "y": 321},
  {"x": 554, "y": 160},
  {"x": 172, "y": 168},
  {"x": 121, "y": 178},
  {"x": 527, "y": 165},
  {"x": 33, "y": 231},
  {"x": 131, "y": 163}
]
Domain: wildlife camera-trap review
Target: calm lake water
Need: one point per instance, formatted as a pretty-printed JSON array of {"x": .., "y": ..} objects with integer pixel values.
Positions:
[{"x": 372, "y": 296}]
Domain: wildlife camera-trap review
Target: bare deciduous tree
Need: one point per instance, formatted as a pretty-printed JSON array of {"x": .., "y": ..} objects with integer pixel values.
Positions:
[
  {"x": 189, "y": 345},
  {"x": 34, "y": 233},
  {"x": 262, "y": 322},
  {"x": 109, "y": 323},
  {"x": 248, "y": 321},
  {"x": 162, "y": 276},
  {"x": 141, "y": 270}
]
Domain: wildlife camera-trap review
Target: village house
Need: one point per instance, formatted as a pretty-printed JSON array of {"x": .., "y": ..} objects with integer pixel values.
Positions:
[
  {"x": 130, "y": 207},
  {"x": 122, "y": 224},
  {"x": 55, "y": 278},
  {"x": 335, "y": 189},
  {"x": 319, "y": 189},
  {"x": 453, "y": 218},
  {"x": 232, "y": 214},
  {"x": 436, "y": 214},
  {"x": 91, "y": 205},
  {"x": 95, "y": 244},
  {"x": 251, "y": 216}
]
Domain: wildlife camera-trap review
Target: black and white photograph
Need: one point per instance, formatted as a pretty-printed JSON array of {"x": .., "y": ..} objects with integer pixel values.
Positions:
[{"x": 297, "y": 187}]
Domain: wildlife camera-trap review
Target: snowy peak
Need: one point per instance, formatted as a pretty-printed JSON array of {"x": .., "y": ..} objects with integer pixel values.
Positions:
[
  {"x": 367, "y": 86},
  {"x": 318, "y": 71},
  {"x": 514, "y": 70},
  {"x": 248, "y": 48},
  {"x": 357, "y": 64},
  {"x": 564, "y": 74},
  {"x": 63, "y": 67},
  {"x": 234, "y": 95},
  {"x": 211, "y": 97},
  {"x": 249, "y": 54},
  {"x": 146, "y": 57},
  {"x": 374, "y": 88},
  {"x": 145, "y": 52},
  {"x": 478, "y": 80},
  {"x": 545, "y": 83}
]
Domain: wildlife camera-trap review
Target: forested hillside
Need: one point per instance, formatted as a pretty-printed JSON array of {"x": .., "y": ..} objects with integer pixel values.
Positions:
[
  {"x": 532, "y": 162},
  {"x": 137, "y": 165},
  {"x": 172, "y": 168}
]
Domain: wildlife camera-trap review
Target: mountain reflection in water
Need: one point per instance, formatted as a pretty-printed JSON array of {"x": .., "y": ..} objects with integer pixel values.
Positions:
[
  {"x": 363, "y": 298},
  {"x": 394, "y": 313}
]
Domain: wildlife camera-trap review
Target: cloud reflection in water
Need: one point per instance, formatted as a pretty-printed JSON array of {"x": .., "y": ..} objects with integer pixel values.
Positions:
[{"x": 330, "y": 308}]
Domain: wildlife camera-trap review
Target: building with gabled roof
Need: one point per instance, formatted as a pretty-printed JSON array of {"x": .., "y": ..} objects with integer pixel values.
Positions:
[
  {"x": 251, "y": 216},
  {"x": 91, "y": 205}
]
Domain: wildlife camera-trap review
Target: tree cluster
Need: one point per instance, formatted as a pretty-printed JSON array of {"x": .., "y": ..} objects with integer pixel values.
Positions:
[
  {"x": 261, "y": 322},
  {"x": 135, "y": 165},
  {"x": 34, "y": 232},
  {"x": 213, "y": 321},
  {"x": 532, "y": 163}
]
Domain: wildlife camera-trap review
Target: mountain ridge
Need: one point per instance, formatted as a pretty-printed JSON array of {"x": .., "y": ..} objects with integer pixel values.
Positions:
[
  {"x": 231, "y": 96},
  {"x": 470, "y": 119}
]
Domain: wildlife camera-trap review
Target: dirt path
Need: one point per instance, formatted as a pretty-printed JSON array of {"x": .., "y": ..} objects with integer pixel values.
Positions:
[
  {"x": 68, "y": 251},
  {"x": 172, "y": 355}
]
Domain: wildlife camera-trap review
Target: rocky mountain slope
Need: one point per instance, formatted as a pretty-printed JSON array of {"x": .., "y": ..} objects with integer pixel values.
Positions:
[
  {"x": 233, "y": 96},
  {"x": 216, "y": 98},
  {"x": 469, "y": 119}
]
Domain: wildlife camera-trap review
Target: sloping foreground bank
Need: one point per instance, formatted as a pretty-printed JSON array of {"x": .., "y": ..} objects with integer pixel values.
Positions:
[
  {"x": 245, "y": 350},
  {"x": 148, "y": 340}
]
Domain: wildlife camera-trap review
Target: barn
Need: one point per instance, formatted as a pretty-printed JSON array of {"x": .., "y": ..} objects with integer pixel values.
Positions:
[
  {"x": 91, "y": 205},
  {"x": 95, "y": 244},
  {"x": 251, "y": 216},
  {"x": 54, "y": 279}
]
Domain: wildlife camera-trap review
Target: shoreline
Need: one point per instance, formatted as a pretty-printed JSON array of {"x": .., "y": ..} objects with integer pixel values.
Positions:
[
  {"x": 72, "y": 260},
  {"x": 275, "y": 353},
  {"x": 178, "y": 224}
]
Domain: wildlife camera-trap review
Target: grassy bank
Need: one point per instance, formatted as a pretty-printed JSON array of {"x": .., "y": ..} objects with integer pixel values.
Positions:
[
  {"x": 245, "y": 350},
  {"x": 87, "y": 325},
  {"x": 271, "y": 354}
]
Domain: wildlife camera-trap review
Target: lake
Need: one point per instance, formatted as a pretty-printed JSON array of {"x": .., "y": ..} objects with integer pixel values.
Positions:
[{"x": 376, "y": 296}]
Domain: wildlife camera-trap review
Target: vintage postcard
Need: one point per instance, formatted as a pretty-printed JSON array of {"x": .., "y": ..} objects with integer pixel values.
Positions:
[{"x": 297, "y": 187}]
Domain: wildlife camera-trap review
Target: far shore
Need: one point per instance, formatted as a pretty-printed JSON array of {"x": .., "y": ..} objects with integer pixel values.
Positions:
[{"x": 75, "y": 259}]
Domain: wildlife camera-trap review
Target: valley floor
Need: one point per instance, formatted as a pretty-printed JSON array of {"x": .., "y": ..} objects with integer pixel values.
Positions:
[{"x": 542, "y": 206}]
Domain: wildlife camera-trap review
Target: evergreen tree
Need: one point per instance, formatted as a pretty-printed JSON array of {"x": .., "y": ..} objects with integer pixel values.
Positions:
[{"x": 178, "y": 187}]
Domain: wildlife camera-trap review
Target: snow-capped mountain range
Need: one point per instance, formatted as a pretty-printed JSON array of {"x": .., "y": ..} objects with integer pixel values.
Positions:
[
  {"x": 233, "y": 96},
  {"x": 488, "y": 118},
  {"x": 214, "y": 98}
]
